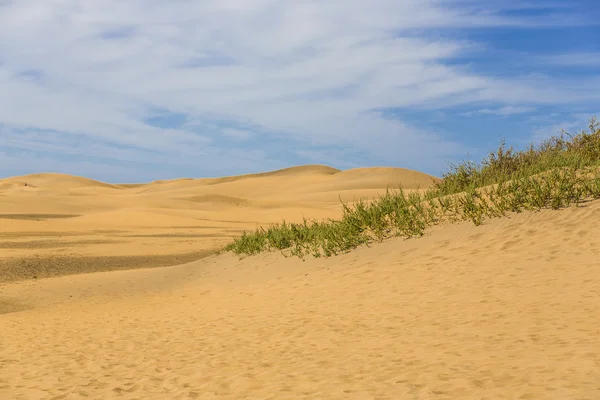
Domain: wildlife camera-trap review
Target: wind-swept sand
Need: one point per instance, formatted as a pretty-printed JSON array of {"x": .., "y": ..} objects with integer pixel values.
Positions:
[
  {"x": 510, "y": 309},
  {"x": 55, "y": 224}
]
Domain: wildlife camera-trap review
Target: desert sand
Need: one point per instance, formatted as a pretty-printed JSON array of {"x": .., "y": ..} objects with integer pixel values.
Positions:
[
  {"x": 506, "y": 310},
  {"x": 54, "y": 224}
]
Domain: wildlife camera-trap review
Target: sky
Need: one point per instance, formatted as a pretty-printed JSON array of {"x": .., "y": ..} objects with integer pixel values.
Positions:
[{"x": 139, "y": 90}]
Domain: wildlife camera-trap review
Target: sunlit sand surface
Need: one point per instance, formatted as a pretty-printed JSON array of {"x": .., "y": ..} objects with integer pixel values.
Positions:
[
  {"x": 506, "y": 310},
  {"x": 54, "y": 224}
]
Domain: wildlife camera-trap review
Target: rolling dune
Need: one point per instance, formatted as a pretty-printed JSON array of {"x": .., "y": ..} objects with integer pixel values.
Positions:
[
  {"x": 53, "y": 181},
  {"x": 506, "y": 310},
  {"x": 87, "y": 221}
]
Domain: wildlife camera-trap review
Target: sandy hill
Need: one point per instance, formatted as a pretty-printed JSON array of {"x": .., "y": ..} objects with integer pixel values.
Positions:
[
  {"x": 377, "y": 176},
  {"x": 509, "y": 309},
  {"x": 75, "y": 224},
  {"x": 56, "y": 181},
  {"x": 284, "y": 173}
]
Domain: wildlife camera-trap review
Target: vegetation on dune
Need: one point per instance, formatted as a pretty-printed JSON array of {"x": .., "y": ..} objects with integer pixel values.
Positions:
[{"x": 560, "y": 172}]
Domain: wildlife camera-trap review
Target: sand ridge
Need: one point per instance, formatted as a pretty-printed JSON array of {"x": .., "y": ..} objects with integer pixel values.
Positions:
[
  {"x": 55, "y": 181},
  {"x": 169, "y": 219},
  {"x": 506, "y": 310}
]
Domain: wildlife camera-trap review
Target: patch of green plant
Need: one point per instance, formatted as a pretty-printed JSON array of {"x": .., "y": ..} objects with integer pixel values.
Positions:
[
  {"x": 560, "y": 172},
  {"x": 505, "y": 164}
]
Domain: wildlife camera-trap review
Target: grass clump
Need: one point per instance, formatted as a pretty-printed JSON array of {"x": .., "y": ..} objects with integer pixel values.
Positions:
[
  {"x": 565, "y": 150},
  {"x": 562, "y": 171}
]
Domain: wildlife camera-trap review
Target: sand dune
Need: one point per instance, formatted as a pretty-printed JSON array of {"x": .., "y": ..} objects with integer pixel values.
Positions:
[
  {"x": 138, "y": 220},
  {"x": 219, "y": 199},
  {"x": 312, "y": 170},
  {"x": 506, "y": 310},
  {"x": 376, "y": 176},
  {"x": 59, "y": 181},
  {"x": 15, "y": 184}
]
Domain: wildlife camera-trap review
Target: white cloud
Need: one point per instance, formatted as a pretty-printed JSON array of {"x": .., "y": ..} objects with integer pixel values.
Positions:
[
  {"x": 305, "y": 71},
  {"x": 575, "y": 59},
  {"x": 502, "y": 111},
  {"x": 236, "y": 134}
]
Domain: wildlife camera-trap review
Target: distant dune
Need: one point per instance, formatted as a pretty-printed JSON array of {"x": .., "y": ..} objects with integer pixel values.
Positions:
[
  {"x": 377, "y": 176},
  {"x": 56, "y": 181},
  {"x": 508, "y": 309},
  {"x": 286, "y": 172},
  {"x": 14, "y": 183},
  {"x": 85, "y": 218}
]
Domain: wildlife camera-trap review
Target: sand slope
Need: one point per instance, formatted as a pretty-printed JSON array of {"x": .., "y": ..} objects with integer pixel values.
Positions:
[
  {"x": 506, "y": 310},
  {"x": 56, "y": 224}
]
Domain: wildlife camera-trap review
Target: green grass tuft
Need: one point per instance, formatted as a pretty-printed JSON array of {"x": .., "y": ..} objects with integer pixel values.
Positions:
[{"x": 562, "y": 171}]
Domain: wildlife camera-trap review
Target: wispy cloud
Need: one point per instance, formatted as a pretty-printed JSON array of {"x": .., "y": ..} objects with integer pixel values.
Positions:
[
  {"x": 188, "y": 81},
  {"x": 236, "y": 134},
  {"x": 503, "y": 111},
  {"x": 575, "y": 59}
]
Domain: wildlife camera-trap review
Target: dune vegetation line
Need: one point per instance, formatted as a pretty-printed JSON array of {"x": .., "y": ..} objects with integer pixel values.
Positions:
[{"x": 562, "y": 171}]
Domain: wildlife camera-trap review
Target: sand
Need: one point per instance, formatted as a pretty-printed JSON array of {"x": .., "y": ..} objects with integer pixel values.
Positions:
[
  {"x": 55, "y": 224},
  {"x": 506, "y": 310}
]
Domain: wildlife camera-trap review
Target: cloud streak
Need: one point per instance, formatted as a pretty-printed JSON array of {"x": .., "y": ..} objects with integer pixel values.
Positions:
[
  {"x": 225, "y": 75},
  {"x": 503, "y": 111}
]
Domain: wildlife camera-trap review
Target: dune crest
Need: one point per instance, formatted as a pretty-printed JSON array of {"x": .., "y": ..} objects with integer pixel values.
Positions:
[
  {"x": 397, "y": 177},
  {"x": 90, "y": 222},
  {"x": 56, "y": 181},
  {"x": 285, "y": 172}
]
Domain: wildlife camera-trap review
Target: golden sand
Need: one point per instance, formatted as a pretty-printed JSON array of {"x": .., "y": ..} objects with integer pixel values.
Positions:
[{"x": 506, "y": 310}]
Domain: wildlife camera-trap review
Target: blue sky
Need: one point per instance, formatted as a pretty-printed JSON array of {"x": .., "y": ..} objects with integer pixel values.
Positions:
[{"x": 138, "y": 90}]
